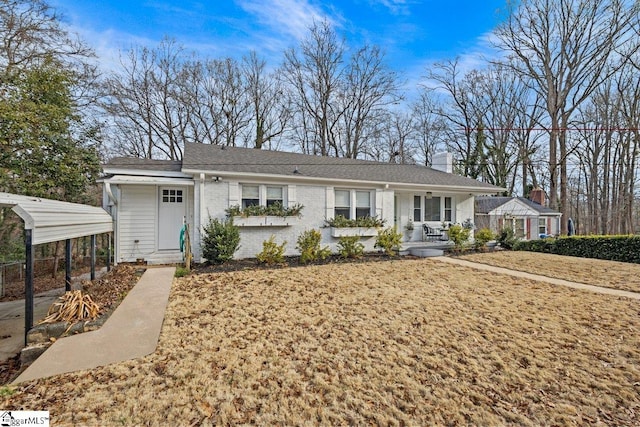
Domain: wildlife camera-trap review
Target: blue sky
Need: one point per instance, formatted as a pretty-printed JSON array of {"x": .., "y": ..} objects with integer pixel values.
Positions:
[{"x": 413, "y": 33}]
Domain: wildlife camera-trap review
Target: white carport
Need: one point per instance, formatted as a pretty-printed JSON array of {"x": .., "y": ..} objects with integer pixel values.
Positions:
[{"x": 47, "y": 221}]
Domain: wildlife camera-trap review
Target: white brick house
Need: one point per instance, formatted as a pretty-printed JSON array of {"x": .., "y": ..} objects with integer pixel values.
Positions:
[{"x": 150, "y": 199}]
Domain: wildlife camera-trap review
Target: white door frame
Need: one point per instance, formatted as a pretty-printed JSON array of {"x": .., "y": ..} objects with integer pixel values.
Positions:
[{"x": 174, "y": 199}]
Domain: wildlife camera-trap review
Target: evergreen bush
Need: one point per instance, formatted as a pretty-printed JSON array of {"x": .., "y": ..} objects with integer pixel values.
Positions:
[
  {"x": 482, "y": 237},
  {"x": 389, "y": 240},
  {"x": 459, "y": 235},
  {"x": 308, "y": 244},
  {"x": 272, "y": 253},
  {"x": 350, "y": 247},
  {"x": 220, "y": 240},
  {"x": 507, "y": 238}
]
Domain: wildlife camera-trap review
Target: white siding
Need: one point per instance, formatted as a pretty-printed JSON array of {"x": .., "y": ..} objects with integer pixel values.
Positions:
[{"x": 137, "y": 221}]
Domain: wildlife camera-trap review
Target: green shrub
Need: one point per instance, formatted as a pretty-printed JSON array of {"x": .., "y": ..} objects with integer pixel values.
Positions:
[
  {"x": 613, "y": 248},
  {"x": 181, "y": 272},
  {"x": 365, "y": 221},
  {"x": 309, "y": 246},
  {"x": 507, "y": 238},
  {"x": 539, "y": 245},
  {"x": 459, "y": 235},
  {"x": 272, "y": 253},
  {"x": 220, "y": 240},
  {"x": 350, "y": 247},
  {"x": 389, "y": 240},
  {"x": 275, "y": 209},
  {"x": 482, "y": 237}
]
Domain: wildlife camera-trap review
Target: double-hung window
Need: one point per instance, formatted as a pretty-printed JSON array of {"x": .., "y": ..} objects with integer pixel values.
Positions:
[
  {"x": 274, "y": 196},
  {"x": 417, "y": 210},
  {"x": 363, "y": 204},
  {"x": 264, "y": 195},
  {"x": 448, "y": 209},
  {"x": 343, "y": 203},
  {"x": 542, "y": 226},
  {"x": 250, "y": 195},
  {"x": 353, "y": 204}
]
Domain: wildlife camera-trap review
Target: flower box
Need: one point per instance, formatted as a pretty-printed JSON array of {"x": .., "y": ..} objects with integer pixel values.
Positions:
[
  {"x": 265, "y": 221},
  {"x": 354, "y": 231}
]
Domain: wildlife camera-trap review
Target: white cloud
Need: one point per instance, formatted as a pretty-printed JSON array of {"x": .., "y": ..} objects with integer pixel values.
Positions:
[
  {"x": 292, "y": 18},
  {"x": 396, "y": 7}
]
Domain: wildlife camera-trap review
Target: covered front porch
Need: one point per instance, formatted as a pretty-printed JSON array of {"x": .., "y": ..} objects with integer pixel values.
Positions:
[{"x": 424, "y": 217}]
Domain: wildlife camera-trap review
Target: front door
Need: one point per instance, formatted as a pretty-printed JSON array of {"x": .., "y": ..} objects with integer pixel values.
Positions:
[{"x": 171, "y": 214}]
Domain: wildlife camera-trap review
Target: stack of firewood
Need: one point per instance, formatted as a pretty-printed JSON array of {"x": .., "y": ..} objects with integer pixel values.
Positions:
[{"x": 72, "y": 307}]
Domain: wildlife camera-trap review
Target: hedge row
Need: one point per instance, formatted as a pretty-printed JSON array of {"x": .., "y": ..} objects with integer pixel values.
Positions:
[{"x": 613, "y": 248}]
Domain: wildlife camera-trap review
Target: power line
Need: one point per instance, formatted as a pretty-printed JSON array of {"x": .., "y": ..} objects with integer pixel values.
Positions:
[{"x": 596, "y": 129}]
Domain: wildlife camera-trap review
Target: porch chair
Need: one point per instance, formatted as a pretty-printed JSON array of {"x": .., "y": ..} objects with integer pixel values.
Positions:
[{"x": 430, "y": 233}]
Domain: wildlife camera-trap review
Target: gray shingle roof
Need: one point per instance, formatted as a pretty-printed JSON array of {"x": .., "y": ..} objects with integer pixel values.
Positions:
[
  {"x": 206, "y": 157},
  {"x": 485, "y": 204},
  {"x": 145, "y": 164}
]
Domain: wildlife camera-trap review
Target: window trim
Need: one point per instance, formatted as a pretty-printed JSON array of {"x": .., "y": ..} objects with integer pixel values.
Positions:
[
  {"x": 262, "y": 193},
  {"x": 417, "y": 210},
  {"x": 543, "y": 221},
  {"x": 353, "y": 208}
]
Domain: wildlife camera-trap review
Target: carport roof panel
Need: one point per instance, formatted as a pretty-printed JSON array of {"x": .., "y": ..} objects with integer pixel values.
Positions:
[{"x": 52, "y": 220}]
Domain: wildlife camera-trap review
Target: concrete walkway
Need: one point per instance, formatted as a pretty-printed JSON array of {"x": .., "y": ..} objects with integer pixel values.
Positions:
[
  {"x": 551, "y": 280},
  {"x": 12, "y": 315},
  {"x": 132, "y": 331}
]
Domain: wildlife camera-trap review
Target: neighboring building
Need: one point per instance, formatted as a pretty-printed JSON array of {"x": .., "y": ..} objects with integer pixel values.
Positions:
[
  {"x": 150, "y": 199},
  {"x": 529, "y": 219}
]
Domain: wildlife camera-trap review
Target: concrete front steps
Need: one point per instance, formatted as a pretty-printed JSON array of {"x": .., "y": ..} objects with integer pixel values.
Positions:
[{"x": 424, "y": 249}]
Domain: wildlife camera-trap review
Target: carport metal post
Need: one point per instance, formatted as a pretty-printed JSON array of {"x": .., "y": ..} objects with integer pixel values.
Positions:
[
  {"x": 109, "y": 252},
  {"x": 67, "y": 265},
  {"x": 28, "y": 282},
  {"x": 93, "y": 257}
]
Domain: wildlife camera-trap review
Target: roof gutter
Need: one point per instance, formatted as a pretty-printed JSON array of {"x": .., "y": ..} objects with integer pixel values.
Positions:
[{"x": 344, "y": 182}]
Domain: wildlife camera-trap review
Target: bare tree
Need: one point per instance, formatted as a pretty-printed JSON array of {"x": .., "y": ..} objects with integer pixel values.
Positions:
[
  {"x": 394, "y": 135},
  {"x": 429, "y": 127},
  {"x": 607, "y": 156},
  {"x": 315, "y": 73},
  {"x": 568, "y": 48},
  {"x": 271, "y": 114},
  {"x": 463, "y": 110},
  {"x": 510, "y": 114},
  {"x": 369, "y": 88},
  {"x": 30, "y": 32}
]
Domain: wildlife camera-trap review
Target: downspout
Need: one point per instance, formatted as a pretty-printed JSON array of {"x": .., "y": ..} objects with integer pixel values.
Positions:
[
  {"x": 113, "y": 201},
  {"x": 107, "y": 188},
  {"x": 201, "y": 208}
]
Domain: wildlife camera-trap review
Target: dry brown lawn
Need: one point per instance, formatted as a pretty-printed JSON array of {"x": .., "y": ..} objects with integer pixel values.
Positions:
[
  {"x": 412, "y": 342},
  {"x": 609, "y": 274}
]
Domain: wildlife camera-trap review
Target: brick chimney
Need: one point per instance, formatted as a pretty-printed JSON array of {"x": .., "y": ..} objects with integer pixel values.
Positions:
[{"x": 537, "y": 195}]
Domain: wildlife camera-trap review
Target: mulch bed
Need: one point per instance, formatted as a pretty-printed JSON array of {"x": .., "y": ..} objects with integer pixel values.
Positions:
[{"x": 291, "y": 262}]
